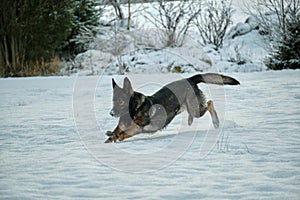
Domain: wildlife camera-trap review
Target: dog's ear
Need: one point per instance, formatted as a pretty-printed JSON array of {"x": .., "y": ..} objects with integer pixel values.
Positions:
[
  {"x": 114, "y": 84},
  {"x": 127, "y": 86}
]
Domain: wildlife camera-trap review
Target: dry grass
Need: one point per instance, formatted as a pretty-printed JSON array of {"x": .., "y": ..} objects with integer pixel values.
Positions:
[{"x": 34, "y": 68}]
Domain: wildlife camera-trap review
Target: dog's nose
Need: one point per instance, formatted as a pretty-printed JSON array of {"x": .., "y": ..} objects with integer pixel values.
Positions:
[{"x": 112, "y": 113}]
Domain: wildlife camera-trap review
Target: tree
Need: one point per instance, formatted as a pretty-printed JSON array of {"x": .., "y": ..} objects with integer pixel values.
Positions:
[
  {"x": 86, "y": 15},
  {"x": 119, "y": 11},
  {"x": 174, "y": 19},
  {"x": 287, "y": 53},
  {"x": 279, "y": 20},
  {"x": 31, "y": 32},
  {"x": 129, "y": 15},
  {"x": 34, "y": 32},
  {"x": 214, "y": 21},
  {"x": 117, "y": 7}
]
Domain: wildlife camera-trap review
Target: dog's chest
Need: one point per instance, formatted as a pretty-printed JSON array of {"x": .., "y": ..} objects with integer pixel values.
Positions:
[{"x": 159, "y": 117}]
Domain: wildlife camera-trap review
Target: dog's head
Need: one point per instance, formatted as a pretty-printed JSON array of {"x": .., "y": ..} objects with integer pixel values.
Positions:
[{"x": 121, "y": 98}]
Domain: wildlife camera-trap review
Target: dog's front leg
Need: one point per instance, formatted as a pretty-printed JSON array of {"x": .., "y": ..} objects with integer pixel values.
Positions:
[
  {"x": 131, "y": 131},
  {"x": 126, "y": 128},
  {"x": 113, "y": 136},
  {"x": 124, "y": 123},
  {"x": 120, "y": 135},
  {"x": 116, "y": 131}
]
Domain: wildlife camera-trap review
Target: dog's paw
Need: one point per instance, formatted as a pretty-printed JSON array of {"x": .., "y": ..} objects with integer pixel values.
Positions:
[
  {"x": 111, "y": 139},
  {"x": 190, "y": 120},
  {"x": 216, "y": 122},
  {"x": 109, "y": 133}
]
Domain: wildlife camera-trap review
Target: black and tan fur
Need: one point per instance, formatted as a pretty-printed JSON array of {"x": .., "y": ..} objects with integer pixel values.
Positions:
[{"x": 139, "y": 113}]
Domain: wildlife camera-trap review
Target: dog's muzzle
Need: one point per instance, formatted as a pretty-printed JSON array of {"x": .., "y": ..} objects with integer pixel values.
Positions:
[{"x": 112, "y": 113}]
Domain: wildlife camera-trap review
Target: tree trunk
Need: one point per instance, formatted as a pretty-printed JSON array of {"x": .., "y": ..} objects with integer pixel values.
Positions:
[
  {"x": 13, "y": 54},
  {"x": 7, "y": 63},
  {"x": 129, "y": 15},
  {"x": 283, "y": 20},
  {"x": 118, "y": 9}
]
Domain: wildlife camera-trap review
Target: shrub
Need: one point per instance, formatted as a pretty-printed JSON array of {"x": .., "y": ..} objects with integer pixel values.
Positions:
[
  {"x": 174, "y": 19},
  {"x": 213, "y": 22},
  {"x": 279, "y": 20}
]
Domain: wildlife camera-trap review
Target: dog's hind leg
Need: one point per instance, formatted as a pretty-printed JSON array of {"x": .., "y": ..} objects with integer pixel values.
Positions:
[
  {"x": 196, "y": 105},
  {"x": 190, "y": 120},
  {"x": 213, "y": 114}
]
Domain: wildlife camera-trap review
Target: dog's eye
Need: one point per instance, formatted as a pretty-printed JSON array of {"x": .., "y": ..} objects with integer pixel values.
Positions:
[{"x": 121, "y": 102}]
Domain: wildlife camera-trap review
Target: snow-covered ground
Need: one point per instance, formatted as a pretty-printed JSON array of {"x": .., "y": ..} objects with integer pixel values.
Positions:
[{"x": 51, "y": 142}]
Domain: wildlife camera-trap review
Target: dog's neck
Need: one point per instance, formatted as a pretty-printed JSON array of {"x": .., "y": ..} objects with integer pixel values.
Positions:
[{"x": 136, "y": 101}]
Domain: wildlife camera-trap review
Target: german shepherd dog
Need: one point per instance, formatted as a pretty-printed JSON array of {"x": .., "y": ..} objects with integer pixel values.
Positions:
[{"x": 139, "y": 113}]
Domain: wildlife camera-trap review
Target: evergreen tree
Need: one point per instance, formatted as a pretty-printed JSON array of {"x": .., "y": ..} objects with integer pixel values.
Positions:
[
  {"x": 279, "y": 21},
  {"x": 31, "y": 33},
  {"x": 287, "y": 54},
  {"x": 85, "y": 23}
]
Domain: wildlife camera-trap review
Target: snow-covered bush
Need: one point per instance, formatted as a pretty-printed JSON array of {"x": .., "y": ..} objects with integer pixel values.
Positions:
[
  {"x": 151, "y": 60},
  {"x": 243, "y": 28}
]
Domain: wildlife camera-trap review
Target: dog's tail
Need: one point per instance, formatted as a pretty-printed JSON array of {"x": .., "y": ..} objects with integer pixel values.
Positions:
[{"x": 213, "y": 79}]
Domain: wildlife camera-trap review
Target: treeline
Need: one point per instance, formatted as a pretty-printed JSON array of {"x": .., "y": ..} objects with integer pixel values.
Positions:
[{"x": 35, "y": 33}]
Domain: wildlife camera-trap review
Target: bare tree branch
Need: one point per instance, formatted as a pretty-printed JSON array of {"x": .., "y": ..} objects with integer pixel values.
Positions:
[
  {"x": 214, "y": 21},
  {"x": 174, "y": 19}
]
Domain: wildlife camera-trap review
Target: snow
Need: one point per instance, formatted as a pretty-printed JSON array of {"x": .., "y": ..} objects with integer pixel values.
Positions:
[
  {"x": 245, "y": 53},
  {"x": 189, "y": 58},
  {"x": 52, "y": 134}
]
